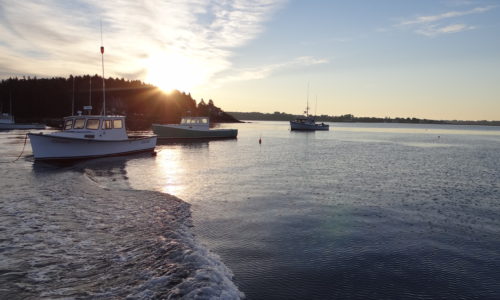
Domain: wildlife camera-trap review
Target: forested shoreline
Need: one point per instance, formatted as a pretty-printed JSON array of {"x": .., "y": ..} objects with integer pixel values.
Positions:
[
  {"x": 48, "y": 100},
  {"x": 281, "y": 116}
]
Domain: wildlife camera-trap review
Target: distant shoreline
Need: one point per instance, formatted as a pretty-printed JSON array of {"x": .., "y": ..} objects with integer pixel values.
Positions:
[{"x": 279, "y": 116}]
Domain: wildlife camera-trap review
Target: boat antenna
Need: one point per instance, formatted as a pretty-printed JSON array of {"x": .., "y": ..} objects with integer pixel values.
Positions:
[
  {"x": 103, "y": 84},
  {"x": 73, "y": 98},
  {"x": 90, "y": 92}
]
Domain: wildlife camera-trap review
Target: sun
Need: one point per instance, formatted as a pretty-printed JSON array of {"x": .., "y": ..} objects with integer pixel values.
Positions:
[{"x": 171, "y": 71}]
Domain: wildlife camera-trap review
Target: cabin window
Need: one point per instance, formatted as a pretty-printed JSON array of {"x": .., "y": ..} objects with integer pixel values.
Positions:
[
  {"x": 93, "y": 124},
  {"x": 204, "y": 121},
  {"x": 79, "y": 124},
  {"x": 68, "y": 124},
  {"x": 107, "y": 124},
  {"x": 117, "y": 124}
]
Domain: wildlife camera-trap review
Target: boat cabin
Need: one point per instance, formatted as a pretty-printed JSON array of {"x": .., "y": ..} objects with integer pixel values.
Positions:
[
  {"x": 196, "y": 122},
  {"x": 95, "y": 127}
]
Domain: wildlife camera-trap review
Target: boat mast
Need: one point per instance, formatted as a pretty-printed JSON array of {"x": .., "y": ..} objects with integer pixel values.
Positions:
[
  {"x": 307, "y": 107},
  {"x": 103, "y": 84},
  {"x": 316, "y": 106}
]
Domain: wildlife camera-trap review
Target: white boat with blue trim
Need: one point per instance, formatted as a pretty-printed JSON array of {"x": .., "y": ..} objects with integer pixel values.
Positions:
[{"x": 89, "y": 136}]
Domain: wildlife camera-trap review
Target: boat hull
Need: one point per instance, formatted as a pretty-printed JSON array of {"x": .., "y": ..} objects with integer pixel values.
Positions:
[
  {"x": 167, "y": 132},
  {"x": 308, "y": 127},
  {"x": 49, "y": 147}
]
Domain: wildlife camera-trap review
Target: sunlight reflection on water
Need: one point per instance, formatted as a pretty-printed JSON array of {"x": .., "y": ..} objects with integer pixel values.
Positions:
[{"x": 169, "y": 169}]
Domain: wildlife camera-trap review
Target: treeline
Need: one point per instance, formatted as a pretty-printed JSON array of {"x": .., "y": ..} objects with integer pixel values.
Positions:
[
  {"x": 48, "y": 100},
  {"x": 281, "y": 116}
]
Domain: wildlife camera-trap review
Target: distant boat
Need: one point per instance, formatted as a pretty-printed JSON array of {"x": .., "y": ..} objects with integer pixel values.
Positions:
[
  {"x": 192, "y": 128},
  {"x": 307, "y": 123},
  {"x": 7, "y": 122},
  {"x": 89, "y": 136}
]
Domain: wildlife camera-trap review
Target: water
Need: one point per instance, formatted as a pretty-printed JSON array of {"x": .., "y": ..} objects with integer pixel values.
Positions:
[{"x": 362, "y": 211}]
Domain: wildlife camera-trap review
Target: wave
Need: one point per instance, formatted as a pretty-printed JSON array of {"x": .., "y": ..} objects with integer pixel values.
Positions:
[{"x": 70, "y": 235}]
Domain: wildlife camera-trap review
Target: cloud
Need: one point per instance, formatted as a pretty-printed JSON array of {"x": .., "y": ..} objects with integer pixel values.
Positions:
[
  {"x": 57, "y": 38},
  {"x": 434, "y": 30},
  {"x": 429, "y": 26},
  {"x": 446, "y": 15},
  {"x": 265, "y": 71}
]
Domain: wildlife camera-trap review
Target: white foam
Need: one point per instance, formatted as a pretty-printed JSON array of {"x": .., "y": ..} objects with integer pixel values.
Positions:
[{"x": 74, "y": 237}]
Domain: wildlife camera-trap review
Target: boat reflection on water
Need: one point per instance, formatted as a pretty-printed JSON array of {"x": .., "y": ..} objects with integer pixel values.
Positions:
[
  {"x": 198, "y": 143},
  {"x": 104, "y": 166}
]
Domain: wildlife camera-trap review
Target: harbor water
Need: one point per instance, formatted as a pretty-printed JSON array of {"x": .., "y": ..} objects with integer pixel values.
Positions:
[{"x": 363, "y": 211}]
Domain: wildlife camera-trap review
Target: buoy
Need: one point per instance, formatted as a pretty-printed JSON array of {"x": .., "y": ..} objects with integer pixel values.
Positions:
[{"x": 260, "y": 141}]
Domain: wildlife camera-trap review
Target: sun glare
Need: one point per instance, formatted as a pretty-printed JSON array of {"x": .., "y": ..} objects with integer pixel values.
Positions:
[{"x": 170, "y": 72}]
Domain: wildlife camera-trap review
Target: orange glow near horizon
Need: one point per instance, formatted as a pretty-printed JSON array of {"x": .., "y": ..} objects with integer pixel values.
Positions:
[{"x": 172, "y": 71}]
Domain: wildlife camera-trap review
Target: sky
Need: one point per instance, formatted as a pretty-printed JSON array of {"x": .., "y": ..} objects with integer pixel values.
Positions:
[{"x": 435, "y": 59}]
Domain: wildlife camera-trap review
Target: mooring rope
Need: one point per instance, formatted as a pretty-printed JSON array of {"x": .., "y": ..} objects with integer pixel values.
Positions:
[{"x": 22, "y": 151}]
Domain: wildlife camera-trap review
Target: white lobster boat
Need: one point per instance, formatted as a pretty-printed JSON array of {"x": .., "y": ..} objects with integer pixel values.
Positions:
[{"x": 89, "y": 136}]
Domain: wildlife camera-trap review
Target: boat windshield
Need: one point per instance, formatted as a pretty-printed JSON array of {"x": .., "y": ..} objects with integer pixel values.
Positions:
[
  {"x": 107, "y": 124},
  {"x": 194, "y": 121},
  {"x": 93, "y": 124},
  {"x": 68, "y": 124},
  {"x": 117, "y": 124},
  {"x": 79, "y": 124}
]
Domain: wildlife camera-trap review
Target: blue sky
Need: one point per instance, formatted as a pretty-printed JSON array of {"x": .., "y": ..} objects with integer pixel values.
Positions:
[{"x": 436, "y": 59}]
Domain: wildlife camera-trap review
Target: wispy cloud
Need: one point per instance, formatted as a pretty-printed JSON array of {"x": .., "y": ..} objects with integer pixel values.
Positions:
[
  {"x": 446, "y": 15},
  {"x": 192, "y": 39},
  {"x": 266, "y": 70},
  {"x": 430, "y": 25},
  {"x": 434, "y": 30}
]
